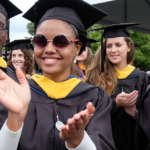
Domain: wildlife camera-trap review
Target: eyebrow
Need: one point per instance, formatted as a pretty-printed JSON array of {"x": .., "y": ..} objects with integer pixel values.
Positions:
[
  {"x": 2, "y": 23},
  {"x": 115, "y": 43}
]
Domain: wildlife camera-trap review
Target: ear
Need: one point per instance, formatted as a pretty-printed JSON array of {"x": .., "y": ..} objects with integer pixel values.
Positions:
[
  {"x": 129, "y": 47},
  {"x": 78, "y": 48}
]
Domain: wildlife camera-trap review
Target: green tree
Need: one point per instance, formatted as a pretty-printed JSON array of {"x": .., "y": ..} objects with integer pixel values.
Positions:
[
  {"x": 142, "y": 52},
  {"x": 30, "y": 28},
  {"x": 95, "y": 35}
]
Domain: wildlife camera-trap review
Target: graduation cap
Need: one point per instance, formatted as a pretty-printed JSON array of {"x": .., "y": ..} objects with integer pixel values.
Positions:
[
  {"x": 20, "y": 44},
  {"x": 8, "y": 9},
  {"x": 113, "y": 31},
  {"x": 136, "y": 44},
  {"x": 88, "y": 44},
  {"x": 76, "y": 12}
]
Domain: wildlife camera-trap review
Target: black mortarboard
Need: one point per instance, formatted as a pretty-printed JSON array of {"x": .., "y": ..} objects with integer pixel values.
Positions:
[
  {"x": 113, "y": 31},
  {"x": 8, "y": 9},
  {"x": 88, "y": 44},
  {"x": 77, "y": 12},
  {"x": 136, "y": 44},
  {"x": 20, "y": 44}
]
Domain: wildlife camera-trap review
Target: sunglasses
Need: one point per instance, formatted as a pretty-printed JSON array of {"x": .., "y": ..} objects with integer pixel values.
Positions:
[{"x": 60, "y": 41}]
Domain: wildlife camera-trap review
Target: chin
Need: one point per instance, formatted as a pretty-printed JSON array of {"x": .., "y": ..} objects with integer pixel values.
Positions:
[
  {"x": 16, "y": 67},
  {"x": 51, "y": 71},
  {"x": 115, "y": 62}
]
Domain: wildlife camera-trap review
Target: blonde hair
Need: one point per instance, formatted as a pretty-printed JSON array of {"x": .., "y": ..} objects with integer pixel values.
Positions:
[
  {"x": 107, "y": 79},
  {"x": 88, "y": 62}
]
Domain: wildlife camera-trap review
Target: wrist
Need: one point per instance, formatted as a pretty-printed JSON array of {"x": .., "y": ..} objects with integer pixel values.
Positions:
[
  {"x": 117, "y": 103},
  {"x": 73, "y": 143},
  {"x": 14, "y": 121},
  {"x": 135, "y": 114}
]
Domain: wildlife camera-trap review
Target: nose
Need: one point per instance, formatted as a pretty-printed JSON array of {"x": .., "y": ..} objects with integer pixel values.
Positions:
[
  {"x": 16, "y": 58},
  {"x": 113, "y": 49},
  {"x": 50, "y": 48}
]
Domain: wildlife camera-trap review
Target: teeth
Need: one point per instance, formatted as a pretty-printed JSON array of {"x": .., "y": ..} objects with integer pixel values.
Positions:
[{"x": 50, "y": 60}]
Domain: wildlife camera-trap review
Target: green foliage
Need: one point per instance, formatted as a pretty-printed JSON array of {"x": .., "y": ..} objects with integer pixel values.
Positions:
[
  {"x": 28, "y": 37},
  {"x": 30, "y": 28},
  {"x": 142, "y": 52},
  {"x": 95, "y": 35}
]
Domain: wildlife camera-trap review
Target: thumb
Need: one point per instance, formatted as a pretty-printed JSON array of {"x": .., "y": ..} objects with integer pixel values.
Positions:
[
  {"x": 90, "y": 109},
  {"x": 21, "y": 77}
]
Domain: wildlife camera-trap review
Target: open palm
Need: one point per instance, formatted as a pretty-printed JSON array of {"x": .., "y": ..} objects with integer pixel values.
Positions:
[{"x": 14, "y": 96}]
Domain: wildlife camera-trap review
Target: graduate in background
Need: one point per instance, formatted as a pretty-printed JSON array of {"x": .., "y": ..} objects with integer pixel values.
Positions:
[
  {"x": 83, "y": 61},
  {"x": 56, "y": 95},
  {"x": 124, "y": 83},
  {"x": 21, "y": 56},
  {"x": 6, "y": 6}
]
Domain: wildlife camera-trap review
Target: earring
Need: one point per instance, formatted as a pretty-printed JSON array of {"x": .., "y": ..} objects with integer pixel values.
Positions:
[{"x": 75, "y": 61}]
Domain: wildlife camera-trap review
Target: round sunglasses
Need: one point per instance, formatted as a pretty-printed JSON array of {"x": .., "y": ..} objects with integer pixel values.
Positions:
[{"x": 60, "y": 41}]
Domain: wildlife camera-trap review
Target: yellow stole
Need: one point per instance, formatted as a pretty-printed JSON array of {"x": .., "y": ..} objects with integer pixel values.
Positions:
[
  {"x": 3, "y": 63},
  {"x": 56, "y": 90},
  {"x": 24, "y": 74},
  {"x": 125, "y": 72},
  {"x": 82, "y": 67}
]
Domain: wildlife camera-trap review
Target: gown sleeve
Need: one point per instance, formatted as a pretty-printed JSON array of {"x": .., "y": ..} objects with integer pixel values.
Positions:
[
  {"x": 99, "y": 128},
  {"x": 9, "y": 140},
  {"x": 143, "y": 124},
  {"x": 114, "y": 105}
]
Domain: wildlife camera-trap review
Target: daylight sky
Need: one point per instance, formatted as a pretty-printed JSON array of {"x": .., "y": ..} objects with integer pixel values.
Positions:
[{"x": 18, "y": 29}]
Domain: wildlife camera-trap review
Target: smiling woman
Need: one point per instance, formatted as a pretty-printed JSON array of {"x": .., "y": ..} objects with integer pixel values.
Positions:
[
  {"x": 21, "y": 56},
  {"x": 124, "y": 83}
]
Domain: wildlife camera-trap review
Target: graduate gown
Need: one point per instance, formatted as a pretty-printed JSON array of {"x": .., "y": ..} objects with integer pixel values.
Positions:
[
  {"x": 143, "y": 123},
  {"x": 39, "y": 131},
  {"x": 123, "y": 125}
]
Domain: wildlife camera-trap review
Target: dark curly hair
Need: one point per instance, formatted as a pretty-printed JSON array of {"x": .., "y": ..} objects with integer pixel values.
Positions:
[{"x": 29, "y": 61}]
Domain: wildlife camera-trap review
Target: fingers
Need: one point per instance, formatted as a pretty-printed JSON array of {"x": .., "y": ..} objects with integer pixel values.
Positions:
[
  {"x": 64, "y": 134},
  {"x": 21, "y": 77},
  {"x": 128, "y": 95},
  {"x": 28, "y": 76},
  {"x": 125, "y": 100},
  {"x": 72, "y": 128},
  {"x": 133, "y": 93},
  {"x": 133, "y": 101}
]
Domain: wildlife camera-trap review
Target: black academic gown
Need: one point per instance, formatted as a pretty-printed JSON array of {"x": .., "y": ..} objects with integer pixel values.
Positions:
[
  {"x": 39, "y": 131},
  {"x": 143, "y": 123},
  {"x": 83, "y": 71},
  {"x": 123, "y": 125},
  {"x": 3, "y": 111}
]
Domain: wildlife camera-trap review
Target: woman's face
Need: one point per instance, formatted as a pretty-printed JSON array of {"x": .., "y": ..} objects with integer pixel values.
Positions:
[
  {"x": 53, "y": 61},
  {"x": 83, "y": 56},
  {"x": 18, "y": 59},
  {"x": 117, "y": 49}
]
